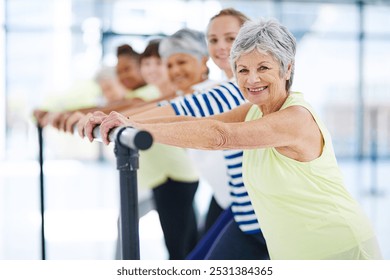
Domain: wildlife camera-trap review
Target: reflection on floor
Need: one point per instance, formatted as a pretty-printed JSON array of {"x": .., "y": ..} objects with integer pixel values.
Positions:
[{"x": 82, "y": 201}]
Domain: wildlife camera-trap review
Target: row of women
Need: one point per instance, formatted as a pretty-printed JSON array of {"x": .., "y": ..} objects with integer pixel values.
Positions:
[{"x": 278, "y": 191}]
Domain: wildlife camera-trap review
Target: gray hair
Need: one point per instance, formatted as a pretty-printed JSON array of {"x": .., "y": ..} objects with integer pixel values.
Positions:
[
  {"x": 267, "y": 36},
  {"x": 184, "y": 41}
]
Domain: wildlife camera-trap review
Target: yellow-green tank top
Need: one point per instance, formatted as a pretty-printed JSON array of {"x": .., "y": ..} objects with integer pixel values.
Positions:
[
  {"x": 304, "y": 209},
  {"x": 161, "y": 162},
  {"x": 146, "y": 93}
]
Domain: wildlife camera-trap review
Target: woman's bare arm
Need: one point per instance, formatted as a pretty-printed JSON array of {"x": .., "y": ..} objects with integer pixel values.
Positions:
[
  {"x": 293, "y": 131},
  {"x": 116, "y": 119}
]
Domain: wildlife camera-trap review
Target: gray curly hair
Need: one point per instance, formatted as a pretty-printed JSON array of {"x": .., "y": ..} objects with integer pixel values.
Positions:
[
  {"x": 266, "y": 36},
  {"x": 184, "y": 41}
]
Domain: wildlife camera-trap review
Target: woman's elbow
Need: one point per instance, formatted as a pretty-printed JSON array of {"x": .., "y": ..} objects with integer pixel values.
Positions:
[{"x": 220, "y": 137}]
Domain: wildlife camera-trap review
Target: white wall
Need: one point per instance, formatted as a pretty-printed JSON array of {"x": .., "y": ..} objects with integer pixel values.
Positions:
[{"x": 2, "y": 83}]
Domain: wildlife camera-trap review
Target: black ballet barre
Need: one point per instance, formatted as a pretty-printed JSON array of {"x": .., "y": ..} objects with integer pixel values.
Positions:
[
  {"x": 130, "y": 137},
  {"x": 41, "y": 192},
  {"x": 128, "y": 141}
]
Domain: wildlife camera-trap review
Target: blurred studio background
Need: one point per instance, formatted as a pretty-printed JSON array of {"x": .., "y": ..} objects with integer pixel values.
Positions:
[{"x": 50, "y": 51}]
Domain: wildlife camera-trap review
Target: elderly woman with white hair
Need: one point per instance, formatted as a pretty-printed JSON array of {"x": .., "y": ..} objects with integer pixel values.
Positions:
[
  {"x": 290, "y": 169},
  {"x": 185, "y": 54},
  {"x": 236, "y": 233}
]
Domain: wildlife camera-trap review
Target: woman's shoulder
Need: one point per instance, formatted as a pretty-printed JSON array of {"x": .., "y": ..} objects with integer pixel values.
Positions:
[
  {"x": 294, "y": 98},
  {"x": 205, "y": 85}
]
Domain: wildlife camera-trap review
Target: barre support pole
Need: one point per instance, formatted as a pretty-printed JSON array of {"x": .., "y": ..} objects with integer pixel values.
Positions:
[
  {"x": 42, "y": 193},
  {"x": 127, "y": 143}
]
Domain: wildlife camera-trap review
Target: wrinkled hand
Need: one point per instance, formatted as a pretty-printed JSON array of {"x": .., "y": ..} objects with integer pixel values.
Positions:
[
  {"x": 72, "y": 120},
  {"x": 45, "y": 119},
  {"x": 88, "y": 122},
  {"x": 49, "y": 118},
  {"x": 58, "y": 119},
  {"x": 113, "y": 120},
  {"x": 64, "y": 118},
  {"x": 39, "y": 116}
]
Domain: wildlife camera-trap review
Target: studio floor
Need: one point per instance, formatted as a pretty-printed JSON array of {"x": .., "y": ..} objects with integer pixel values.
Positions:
[{"x": 82, "y": 202}]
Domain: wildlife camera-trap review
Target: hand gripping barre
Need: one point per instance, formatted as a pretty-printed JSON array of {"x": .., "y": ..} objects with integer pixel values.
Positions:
[{"x": 127, "y": 136}]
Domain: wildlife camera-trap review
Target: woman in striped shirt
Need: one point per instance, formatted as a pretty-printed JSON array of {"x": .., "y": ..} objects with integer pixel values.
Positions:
[{"x": 240, "y": 238}]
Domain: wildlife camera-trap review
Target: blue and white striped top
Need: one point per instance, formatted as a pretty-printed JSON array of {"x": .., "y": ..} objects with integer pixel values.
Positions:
[{"x": 218, "y": 100}]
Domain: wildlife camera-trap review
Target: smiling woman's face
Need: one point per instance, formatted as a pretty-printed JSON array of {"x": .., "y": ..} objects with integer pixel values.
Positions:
[
  {"x": 128, "y": 72},
  {"x": 154, "y": 71},
  {"x": 258, "y": 76},
  {"x": 185, "y": 70},
  {"x": 221, "y": 33}
]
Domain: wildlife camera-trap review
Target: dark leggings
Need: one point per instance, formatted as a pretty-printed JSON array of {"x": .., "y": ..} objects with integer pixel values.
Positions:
[
  {"x": 233, "y": 244},
  {"x": 212, "y": 215},
  {"x": 207, "y": 241},
  {"x": 226, "y": 241},
  {"x": 174, "y": 205}
]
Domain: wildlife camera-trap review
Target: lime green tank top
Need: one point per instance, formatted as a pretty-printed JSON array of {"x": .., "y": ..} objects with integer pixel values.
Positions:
[
  {"x": 161, "y": 162},
  {"x": 304, "y": 210},
  {"x": 146, "y": 93}
]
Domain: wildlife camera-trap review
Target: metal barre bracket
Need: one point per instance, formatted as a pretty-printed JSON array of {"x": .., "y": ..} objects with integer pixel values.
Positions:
[{"x": 126, "y": 157}]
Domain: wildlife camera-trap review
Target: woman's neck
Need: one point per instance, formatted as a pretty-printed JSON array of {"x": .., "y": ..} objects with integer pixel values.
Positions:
[
  {"x": 275, "y": 105},
  {"x": 228, "y": 74},
  {"x": 190, "y": 89}
]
